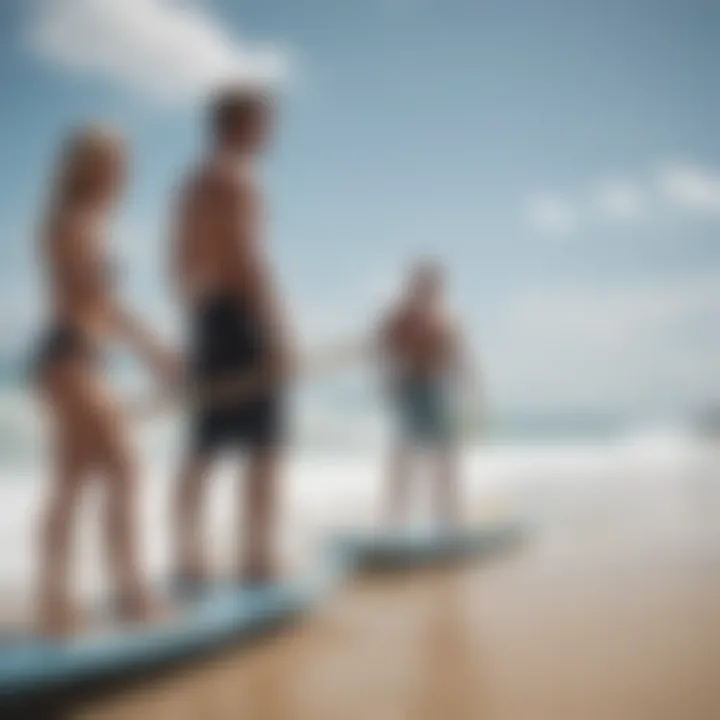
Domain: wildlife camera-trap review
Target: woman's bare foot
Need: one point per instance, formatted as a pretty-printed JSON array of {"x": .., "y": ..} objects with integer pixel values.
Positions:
[
  {"x": 141, "y": 607},
  {"x": 58, "y": 618}
]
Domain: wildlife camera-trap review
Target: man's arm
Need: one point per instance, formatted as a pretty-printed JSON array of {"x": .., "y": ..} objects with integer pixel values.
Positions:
[
  {"x": 253, "y": 275},
  {"x": 462, "y": 361}
]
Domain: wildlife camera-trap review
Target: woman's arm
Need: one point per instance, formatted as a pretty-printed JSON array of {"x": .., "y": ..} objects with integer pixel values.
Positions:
[
  {"x": 85, "y": 273},
  {"x": 164, "y": 363}
]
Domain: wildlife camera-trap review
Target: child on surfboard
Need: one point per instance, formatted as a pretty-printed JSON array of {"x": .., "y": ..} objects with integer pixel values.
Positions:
[{"x": 423, "y": 358}]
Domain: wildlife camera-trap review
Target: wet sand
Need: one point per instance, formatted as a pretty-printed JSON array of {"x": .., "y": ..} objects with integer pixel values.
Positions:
[{"x": 608, "y": 615}]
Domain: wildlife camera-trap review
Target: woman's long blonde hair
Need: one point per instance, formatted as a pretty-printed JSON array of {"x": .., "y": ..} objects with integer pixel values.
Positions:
[{"x": 76, "y": 171}]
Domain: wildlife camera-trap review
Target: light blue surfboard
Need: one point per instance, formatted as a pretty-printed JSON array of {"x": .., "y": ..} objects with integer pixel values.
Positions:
[
  {"x": 29, "y": 665},
  {"x": 426, "y": 546}
]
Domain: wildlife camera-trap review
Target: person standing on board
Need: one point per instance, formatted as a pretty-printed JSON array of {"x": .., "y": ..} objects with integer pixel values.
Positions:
[
  {"x": 90, "y": 433},
  {"x": 237, "y": 327},
  {"x": 423, "y": 359}
]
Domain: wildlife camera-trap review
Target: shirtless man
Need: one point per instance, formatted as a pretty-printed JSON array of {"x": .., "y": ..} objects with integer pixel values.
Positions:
[
  {"x": 236, "y": 327},
  {"x": 423, "y": 358}
]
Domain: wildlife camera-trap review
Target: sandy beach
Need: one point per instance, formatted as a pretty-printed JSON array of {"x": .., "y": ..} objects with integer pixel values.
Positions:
[{"x": 610, "y": 612}]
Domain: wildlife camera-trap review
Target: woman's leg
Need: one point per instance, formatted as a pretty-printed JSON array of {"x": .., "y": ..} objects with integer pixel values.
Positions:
[
  {"x": 121, "y": 527},
  {"x": 115, "y": 459},
  {"x": 72, "y": 460}
]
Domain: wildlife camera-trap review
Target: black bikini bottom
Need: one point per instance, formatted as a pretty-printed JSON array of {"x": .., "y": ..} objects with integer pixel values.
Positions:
[{"x": 64, "y": 342}]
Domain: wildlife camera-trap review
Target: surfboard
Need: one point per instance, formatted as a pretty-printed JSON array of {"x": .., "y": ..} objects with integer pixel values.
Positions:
[
  {"x": 426, "y": 546},
  {"x": 223, "y": 613}
]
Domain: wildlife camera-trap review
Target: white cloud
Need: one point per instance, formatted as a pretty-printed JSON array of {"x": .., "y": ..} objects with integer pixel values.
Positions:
[
  {"x": 688, "y": 187},
  {"x": 169, "y": 50},
  {"x": 621, "y": 200},
  {"x": 551, "y": 215},
  {"x": 692, "y": 188}
]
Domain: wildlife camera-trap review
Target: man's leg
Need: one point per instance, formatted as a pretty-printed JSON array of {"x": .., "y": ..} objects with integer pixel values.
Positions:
[
  {"x": 399, "y": 476},
  {"x": 446, "y": 485},
  {"x": 190, "y": 560},
  {"x": 260, "y": 509}
]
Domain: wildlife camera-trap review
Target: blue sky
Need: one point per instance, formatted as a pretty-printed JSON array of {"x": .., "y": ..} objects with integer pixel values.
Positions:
[{"x": 562, "y": 156}]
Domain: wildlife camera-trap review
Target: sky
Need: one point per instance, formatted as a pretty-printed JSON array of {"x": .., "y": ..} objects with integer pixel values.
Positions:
[{"x": 560, "y": 156}]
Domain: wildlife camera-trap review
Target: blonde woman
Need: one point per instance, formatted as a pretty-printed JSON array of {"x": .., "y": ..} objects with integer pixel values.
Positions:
[{"x": 88, "y": 429}]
